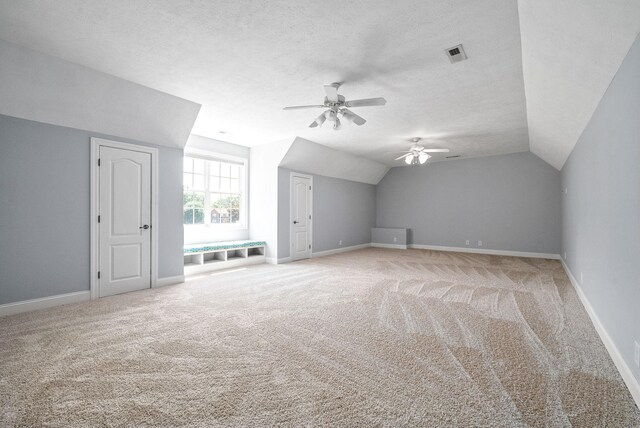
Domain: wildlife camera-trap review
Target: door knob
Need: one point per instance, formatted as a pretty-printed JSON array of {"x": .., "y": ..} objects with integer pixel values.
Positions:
[
  {"x": 295, "y": 222},
  {"x": 145, "y": 227}
]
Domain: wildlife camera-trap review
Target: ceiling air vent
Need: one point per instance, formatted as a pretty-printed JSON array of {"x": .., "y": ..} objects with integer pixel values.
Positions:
[
  {"x": 456, "y": 54},
  {"x": 451, "y": 157}
]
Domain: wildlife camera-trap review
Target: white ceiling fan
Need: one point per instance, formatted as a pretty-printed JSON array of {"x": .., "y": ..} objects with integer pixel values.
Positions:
[
  {"x": 418, "y": 154},
  {"x": 336, "y": 107}
]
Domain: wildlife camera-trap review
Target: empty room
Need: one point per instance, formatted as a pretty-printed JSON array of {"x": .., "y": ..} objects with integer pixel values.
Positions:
[{"x": 285, "y": 213}]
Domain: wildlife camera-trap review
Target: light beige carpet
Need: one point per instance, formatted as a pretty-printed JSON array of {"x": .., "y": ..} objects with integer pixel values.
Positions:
[{"x": 368, "y": 338}]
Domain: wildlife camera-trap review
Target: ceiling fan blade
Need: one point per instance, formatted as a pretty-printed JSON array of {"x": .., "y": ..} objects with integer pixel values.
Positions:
[
  {"x": 367, "y": 102},
  {"x": 403, "y": 156},
  {"x": 332, "y": 91},
  {"x": 319, "y": 121},
  {"x": 435, "y": 150},
  {"x": 299, "y": 107},
  {"x": 352, "y": 117}
]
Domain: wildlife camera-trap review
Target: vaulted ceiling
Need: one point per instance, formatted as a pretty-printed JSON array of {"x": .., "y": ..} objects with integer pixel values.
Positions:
[{"x": 535, "y": 73}]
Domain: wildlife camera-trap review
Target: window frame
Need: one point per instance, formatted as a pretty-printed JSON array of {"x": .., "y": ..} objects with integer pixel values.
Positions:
[{"x": 244, "y": 188}]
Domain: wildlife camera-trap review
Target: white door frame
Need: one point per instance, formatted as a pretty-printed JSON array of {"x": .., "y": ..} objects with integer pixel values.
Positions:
[
  {"x": 291, "y": 213},
  {"x": 96, "y": 143}
]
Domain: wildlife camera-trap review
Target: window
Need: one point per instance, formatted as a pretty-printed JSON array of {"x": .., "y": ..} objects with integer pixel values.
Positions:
[{"x": 213, "y": 191}]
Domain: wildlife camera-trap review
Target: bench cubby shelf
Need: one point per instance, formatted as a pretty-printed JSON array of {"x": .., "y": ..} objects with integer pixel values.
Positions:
[{"x": 222, "y": 255}]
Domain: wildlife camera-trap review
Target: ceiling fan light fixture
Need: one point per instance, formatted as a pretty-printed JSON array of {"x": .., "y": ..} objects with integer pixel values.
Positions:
[
  {"x": 423, "y": 157},
  {"x": 336, "y": 124},
  {"x": 409, "y": 159}
]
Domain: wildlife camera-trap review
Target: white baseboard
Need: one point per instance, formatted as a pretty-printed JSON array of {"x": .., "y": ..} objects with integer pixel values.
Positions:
[
  {"x": 44, "y": 302},
  {"x": 274, "y": 261},
  {"x": 487, "y": 251},
  {"x": 394, "y": 246},
  {"x": 624, "y": 370},
  {"x": 170, "y": 280},
  {"x": 340, "y": 250}
]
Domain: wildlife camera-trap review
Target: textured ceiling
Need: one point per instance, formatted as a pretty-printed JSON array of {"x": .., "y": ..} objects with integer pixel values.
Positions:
[
  {"x": 245, "y": 60},
  {"x": 571, "y": 50}
]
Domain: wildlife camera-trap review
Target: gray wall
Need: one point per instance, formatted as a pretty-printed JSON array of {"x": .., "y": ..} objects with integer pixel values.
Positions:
[
  {"x": 601, "y": 210},
  {"x": 44, "y": 209},
  {"x": 342, "y": 210},
  {"x": 509, "y": 202},
  {"x": 382, "y": 235}
]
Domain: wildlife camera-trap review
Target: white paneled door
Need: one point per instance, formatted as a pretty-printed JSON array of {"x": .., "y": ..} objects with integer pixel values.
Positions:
[
  {"x": 125, "y": 221},
  {"x": 300, "y": 217}
]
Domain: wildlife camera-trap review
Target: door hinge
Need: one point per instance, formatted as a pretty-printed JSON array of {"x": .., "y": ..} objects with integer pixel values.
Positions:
[
  {"x": 309, "y": 246},
  {"x": 309, "y": 216},
  {"x": 309, "y": 187},
  {"x": 98, "y": 219},
  {"x": 98, "y": 161},
  {"x": 98, "y": 274}
]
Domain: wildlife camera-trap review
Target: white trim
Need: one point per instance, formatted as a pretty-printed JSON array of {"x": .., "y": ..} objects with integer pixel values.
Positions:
[
  {"x": 44, "y": 302},
  {"x": 340, "y": 250},
  {"x": 310, "y": 228},
  {"x": 394, "y": 246},
  {"x": 487, "y": 251},
  {"x": 228, "y": 264},
  {"x": 274, "y": 261},
  {"x": 95, "y": 193},
  {"x": 624, "y": 370},
  {"x": 170, "y": 280}
]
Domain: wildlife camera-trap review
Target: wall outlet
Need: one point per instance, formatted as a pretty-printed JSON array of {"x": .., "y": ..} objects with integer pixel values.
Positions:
[
  {"x": 340, "y": 242},
  {"x": 467, "y": 242},
  {"x": 479, "y": 243},
  {"x": 395, "y": 239},
  {"x": 565, "y": 191},
  {"x": 636, "y": 354}
]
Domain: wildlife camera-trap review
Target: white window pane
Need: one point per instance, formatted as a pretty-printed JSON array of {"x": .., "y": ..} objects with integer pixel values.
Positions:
[
  {"x": 193, "y": 199},
  {"x": 198, "y": 182},
  {"x": 187, "y": 181},
  {"x": 198, "y": 216},
  {"x": 214, "y": 183},
  {"x": 225, "y": 170},
  {"x": 198, "y": 166},
  {"x": 235, "y": 185},
  {"x": 214, "y": 168},
  {"x": 215, "y": 216},
  {"x": 235, "y": 171},
  {"x": 234, "y": 215},
  {"x": 187, "y": 164},
  {"x": 225, "y": 184}
]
